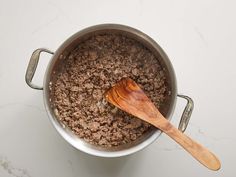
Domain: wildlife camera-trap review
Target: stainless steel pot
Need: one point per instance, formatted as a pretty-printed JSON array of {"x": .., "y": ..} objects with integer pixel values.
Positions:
[{"x": 58, "y": 57}]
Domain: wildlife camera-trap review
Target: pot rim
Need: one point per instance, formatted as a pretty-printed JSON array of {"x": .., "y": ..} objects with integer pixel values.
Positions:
[{"x": 73, "y": 139}]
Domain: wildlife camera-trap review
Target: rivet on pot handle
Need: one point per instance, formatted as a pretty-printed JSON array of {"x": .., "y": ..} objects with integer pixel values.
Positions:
[
  {"x": 33, "y": 63},
  {"x": 186, "y": 114}
]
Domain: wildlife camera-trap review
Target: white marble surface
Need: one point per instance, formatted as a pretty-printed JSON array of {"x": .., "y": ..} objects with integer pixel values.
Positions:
[{"x": 200, "y": 39}]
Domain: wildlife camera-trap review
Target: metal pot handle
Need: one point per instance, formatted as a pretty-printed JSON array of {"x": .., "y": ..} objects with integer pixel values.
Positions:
[
  {"x": 186, "y": 113},
  {"x": 33, "y": 63}
]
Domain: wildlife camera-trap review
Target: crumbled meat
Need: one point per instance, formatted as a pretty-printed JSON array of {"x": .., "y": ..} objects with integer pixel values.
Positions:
[
  {"x": 135, "y": 72},
  {"x": 93, "y": 55},
  {"x": 74, "y": 89},
  {"x": 93, "y": 126},
  {"x": 88, "y": 71}
]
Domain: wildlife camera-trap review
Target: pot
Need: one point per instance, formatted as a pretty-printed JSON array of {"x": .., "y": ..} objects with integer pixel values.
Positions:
[{"x": 71, "y": 43}]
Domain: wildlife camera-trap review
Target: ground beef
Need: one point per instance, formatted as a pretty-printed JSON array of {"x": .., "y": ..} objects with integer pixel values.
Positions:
[{"x": 88, "y": 71}]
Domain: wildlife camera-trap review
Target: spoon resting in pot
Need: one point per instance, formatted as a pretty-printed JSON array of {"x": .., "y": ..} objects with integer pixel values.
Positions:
[{"x": 129, "y": 97}]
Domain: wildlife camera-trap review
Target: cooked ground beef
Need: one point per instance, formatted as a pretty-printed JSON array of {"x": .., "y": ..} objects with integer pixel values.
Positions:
[{"x": 88, "y": 71}]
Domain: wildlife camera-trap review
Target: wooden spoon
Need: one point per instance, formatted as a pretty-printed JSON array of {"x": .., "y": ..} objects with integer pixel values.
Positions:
[{"x": 129, "y": 97}]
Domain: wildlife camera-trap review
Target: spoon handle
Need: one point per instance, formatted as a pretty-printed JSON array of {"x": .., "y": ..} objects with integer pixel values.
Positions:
[{"x": 200, "y": 153}]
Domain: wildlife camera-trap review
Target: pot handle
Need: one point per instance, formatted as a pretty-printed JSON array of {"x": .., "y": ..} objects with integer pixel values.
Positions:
[
  {"x": 33, "y": 63},
  {"x": 186, "y": 113}
]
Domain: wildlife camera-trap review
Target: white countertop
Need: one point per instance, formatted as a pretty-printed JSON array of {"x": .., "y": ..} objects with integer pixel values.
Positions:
[{"x": 199, "y": 38}]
